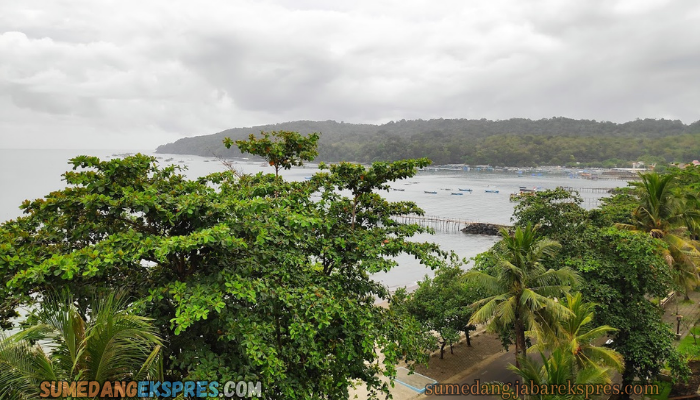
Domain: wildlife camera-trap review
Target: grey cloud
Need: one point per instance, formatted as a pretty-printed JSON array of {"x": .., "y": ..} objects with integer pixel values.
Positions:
[{"x": 164, "y": 69}]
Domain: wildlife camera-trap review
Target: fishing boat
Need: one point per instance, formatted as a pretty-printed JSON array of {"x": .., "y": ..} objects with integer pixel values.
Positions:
[
  {"x": 398, "y": 190},
  {"x": 429, "y": 192},
  {"x": 457, "y": 194},
  {"x": 465, "y": 190},
  {"x": 491, "y": 191},
  {"x": 308, "y": 178}
]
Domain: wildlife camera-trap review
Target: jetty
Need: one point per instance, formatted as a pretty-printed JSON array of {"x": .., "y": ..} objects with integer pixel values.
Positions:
[
  {"x": 589, "y": 189},
  {"x": 453, "y": 224}
]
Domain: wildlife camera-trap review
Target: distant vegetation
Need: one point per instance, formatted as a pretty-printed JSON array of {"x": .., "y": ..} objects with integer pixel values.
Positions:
[{"x": 513, "y": 142}]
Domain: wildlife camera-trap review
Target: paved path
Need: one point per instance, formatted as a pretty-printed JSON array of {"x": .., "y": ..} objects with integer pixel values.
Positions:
[
  {"x": 690, "y": 310},
  {"x": 494, "y": 368}
]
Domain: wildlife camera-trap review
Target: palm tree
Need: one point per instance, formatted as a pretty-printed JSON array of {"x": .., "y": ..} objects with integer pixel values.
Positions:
[
  {"x": 558, "y": 369},
  {"x": 574, "y": 335},
  {"x": 666, "y": 215},
  {"x": 109, "y": 344},
  {"x": 522, "y": 291}
]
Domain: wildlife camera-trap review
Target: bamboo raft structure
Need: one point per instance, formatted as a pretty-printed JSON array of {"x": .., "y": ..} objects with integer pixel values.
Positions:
[
  {"x": 435, "y": 222},
  {"x": 588, "y": 190},
  {"x": 441, "y": 223}
]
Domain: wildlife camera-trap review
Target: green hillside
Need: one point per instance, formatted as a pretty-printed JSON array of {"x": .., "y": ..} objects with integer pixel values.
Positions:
[{"x": 513, "y": 142}]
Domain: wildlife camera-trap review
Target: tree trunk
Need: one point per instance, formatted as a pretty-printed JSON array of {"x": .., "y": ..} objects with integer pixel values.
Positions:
[
  {"x": 442, "y": 349},
  {"x": 469, "y": 341},
  {"x": 519, "y": 340},
  {"x": 451, "y": 349},
  {"x": 627, "y": 378}
]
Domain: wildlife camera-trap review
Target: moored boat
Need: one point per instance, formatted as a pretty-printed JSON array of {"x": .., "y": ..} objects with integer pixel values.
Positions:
[
  {"x": 465, "y": 190},
  {"x": 457, "y": 194},
  {"x": 429, "y": 192}
]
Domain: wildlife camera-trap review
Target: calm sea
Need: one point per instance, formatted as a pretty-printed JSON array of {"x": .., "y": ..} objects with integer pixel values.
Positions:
[{"x": 30, "y": 174}]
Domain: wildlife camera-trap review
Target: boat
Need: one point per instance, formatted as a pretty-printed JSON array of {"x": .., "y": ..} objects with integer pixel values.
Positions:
[
  {"x": 398, "y": 190},
  {"x": 457, "y": 194},
  {"x": 429, "y": 192},
  {"x": 445, "y": 189},
  {"x": 465, "y": 190},
  {"x": 491, "y": 191},
  {"x": 308, "y": 178}
]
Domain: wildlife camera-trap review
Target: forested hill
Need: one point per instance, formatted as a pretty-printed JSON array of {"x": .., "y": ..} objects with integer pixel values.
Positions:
[{"x": 513, "y": 142}]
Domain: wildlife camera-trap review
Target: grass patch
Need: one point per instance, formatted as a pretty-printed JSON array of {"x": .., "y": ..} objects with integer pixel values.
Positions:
[
  {"x": 687, "y": 344},
  {"x": 664, "y": 390}
]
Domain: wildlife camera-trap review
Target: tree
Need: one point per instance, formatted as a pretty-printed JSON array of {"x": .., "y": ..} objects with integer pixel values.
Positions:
[
  {"x": 559, "y": 368},
  {"x": 109, "y": 344},
  {"x": 621, "y": 271},
  {"x": 573, "y": 334},
  {"x": 522, "y": 288},
  {"x": 666, "y": 215},
  {"x": 441, "y": 304},
  {"x": 246, "y": 278},
  {"x": 281, "y": 149}
]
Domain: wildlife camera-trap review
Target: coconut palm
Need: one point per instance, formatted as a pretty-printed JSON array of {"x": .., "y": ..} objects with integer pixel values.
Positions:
[
  {"x": 666, "y": 215},
  {"x": 109, "y": 344},
  {"x": 558, "y": 369},
  {"x": 574, "y": 334},
  {"x": 523, "y": 291}
]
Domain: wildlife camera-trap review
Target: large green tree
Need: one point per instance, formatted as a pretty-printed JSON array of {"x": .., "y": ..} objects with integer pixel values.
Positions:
[
  {"x": 247, "y": 278},
  {"x": 521, "y": 287}
]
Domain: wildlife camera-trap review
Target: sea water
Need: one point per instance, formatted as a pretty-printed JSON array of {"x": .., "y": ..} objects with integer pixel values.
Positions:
[{"x": 30, "y": 174}]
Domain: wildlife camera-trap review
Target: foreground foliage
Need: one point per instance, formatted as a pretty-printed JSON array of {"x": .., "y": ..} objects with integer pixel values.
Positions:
[
  {"x": 247, "y": 278},
  {"x": 108, "y": 344}
]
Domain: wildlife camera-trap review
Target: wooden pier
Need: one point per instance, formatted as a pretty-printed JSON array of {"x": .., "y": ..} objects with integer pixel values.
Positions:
[
  {"x": 451, "y": 224},
  {"x": 588, "y": 190}
]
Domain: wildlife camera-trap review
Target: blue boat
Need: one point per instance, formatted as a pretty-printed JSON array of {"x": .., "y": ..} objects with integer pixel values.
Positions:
[
  {"x": 465, "y": 190},
  {"x": 429, "y": 192},
  {"x": 457, "y": 194},
  {"x": 491, "y": 191},
  {"x": 308, "y": 178}
]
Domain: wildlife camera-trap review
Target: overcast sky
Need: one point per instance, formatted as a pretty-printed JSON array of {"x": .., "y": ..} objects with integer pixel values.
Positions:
[{"x": 136, "y": 74}]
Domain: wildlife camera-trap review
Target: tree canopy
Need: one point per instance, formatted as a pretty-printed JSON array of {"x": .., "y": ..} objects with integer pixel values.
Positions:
[{"x": 245, "y": 277}]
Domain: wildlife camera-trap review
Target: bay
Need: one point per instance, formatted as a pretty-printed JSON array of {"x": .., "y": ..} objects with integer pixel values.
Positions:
[{"x": 30, "y": 174}]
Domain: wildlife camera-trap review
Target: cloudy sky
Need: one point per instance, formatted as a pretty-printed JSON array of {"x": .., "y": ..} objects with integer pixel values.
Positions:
[{"x": 135, "y": 74}]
